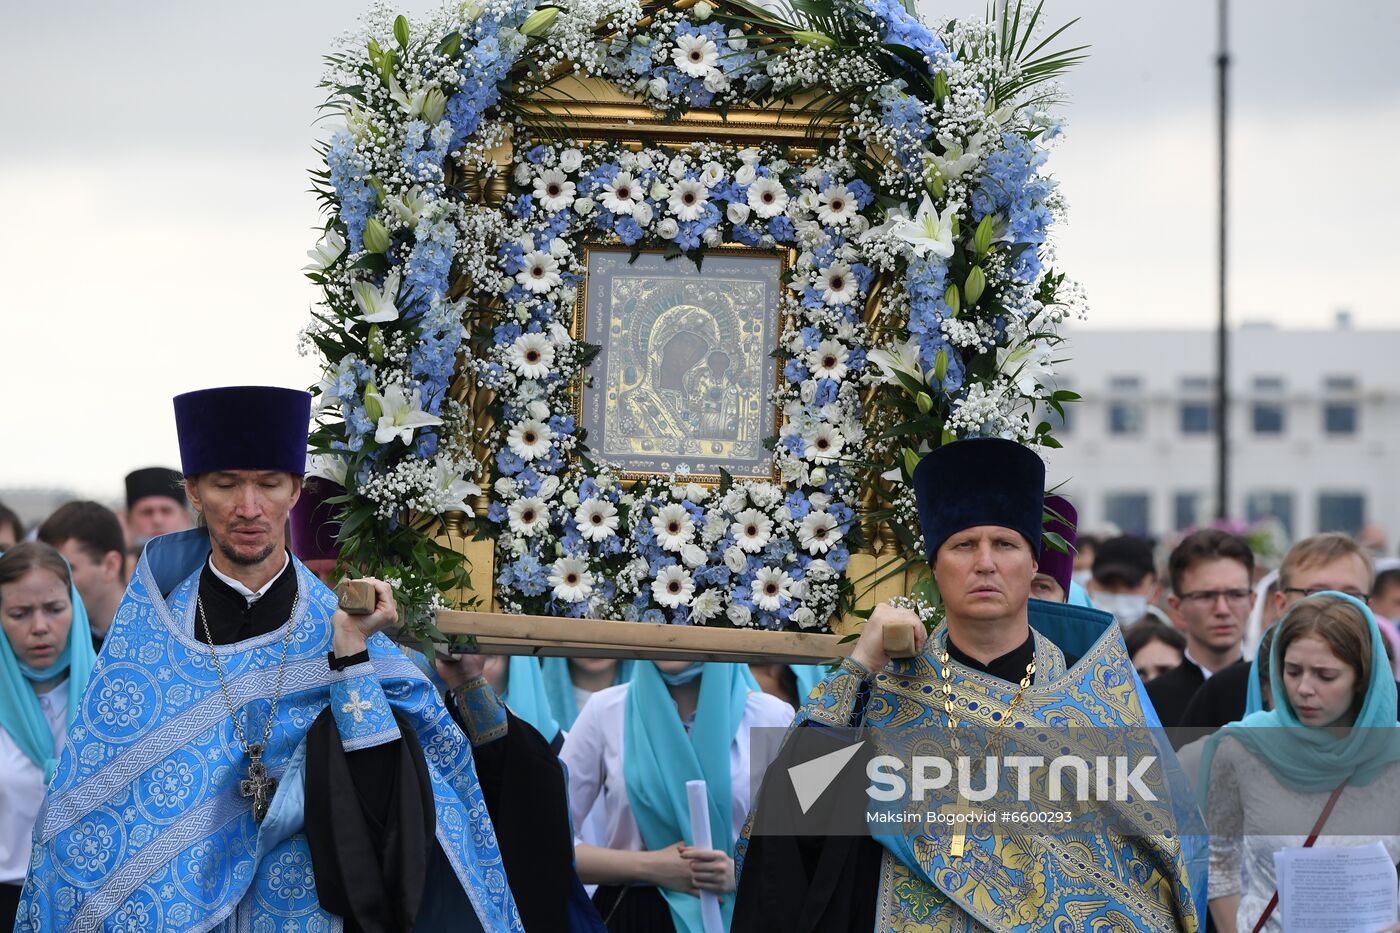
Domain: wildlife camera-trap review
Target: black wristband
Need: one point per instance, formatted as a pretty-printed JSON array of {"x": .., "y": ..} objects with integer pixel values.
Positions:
[{"x": 340, "y": 664}]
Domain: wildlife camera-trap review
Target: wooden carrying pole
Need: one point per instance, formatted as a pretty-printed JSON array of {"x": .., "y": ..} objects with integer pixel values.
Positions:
[{"x": 548, "y": 636}]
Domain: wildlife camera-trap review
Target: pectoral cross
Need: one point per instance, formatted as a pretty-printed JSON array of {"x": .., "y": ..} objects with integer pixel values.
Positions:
[
  {"x": 960, "y": 813},
  {"x": 257, "y": 785},
  {"x": 357, "y": 707}
]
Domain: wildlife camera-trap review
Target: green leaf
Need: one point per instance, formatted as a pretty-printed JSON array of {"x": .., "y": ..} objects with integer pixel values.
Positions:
[
  {"x": 401, "y": 30},
  {"x": 725, "y": 481},
  {"x": 450, "y": 45}
]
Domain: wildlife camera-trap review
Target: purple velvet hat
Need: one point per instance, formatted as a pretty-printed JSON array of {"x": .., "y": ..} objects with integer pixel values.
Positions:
[
  {"x": 243, "y": 428},
  {"x": 313, "y": 522},
  {"x": 1052, "y": 562},
  {"x": 980, "y": 481}
]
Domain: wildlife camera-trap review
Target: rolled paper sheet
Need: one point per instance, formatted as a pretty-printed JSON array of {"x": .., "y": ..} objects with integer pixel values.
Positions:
[{"x": 698, "y": 795}]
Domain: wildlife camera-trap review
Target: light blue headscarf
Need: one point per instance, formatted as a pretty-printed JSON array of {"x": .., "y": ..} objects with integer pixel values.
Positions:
[
  {"x": 559, "y": 688},
  {"x": 20, "y": 713},
  {"x": 808, "y": 676},
  {"x": 659, "y": 758},
  {"x": 527, "y": 697},
  {"x": 1310, "y": 760},
  {"x": 1254, "y": 694}
]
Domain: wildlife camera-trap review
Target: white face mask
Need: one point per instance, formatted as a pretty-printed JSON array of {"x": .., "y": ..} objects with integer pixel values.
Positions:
[
  {"x": 1127, "y": 608},
  {"x": 1082, "y": 577}
]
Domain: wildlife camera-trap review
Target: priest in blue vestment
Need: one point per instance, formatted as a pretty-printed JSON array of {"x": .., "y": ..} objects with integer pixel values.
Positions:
[
  {"x": 1004, "y": 668},
  {"x": 248, "y": 756}
]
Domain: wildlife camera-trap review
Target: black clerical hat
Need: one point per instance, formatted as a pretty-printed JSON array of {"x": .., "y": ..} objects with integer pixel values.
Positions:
[
  {"x": 980, "y": 481},
  {"x": 243, "y": 428},
  {"x": 154, "y": 481}
]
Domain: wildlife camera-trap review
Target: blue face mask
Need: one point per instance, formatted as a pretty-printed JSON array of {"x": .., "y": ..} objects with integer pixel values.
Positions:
[{"x": 683, "y": 676}]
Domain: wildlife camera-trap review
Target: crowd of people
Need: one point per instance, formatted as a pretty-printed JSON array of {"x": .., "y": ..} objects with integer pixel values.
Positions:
[{"x": 474, "y": 792}]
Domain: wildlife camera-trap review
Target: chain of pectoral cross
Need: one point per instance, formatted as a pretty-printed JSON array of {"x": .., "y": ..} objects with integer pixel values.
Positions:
[
  {"x": 959, "y": 811},
  {"x": 259, "y": 786}
]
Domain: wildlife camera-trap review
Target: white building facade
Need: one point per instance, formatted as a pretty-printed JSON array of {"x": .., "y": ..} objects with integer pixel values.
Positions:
[{"x": 1314, "y": 428}]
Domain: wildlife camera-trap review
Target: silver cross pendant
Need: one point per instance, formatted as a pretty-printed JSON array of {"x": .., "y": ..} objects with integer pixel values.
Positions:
[{"x": 258, "y": 784}]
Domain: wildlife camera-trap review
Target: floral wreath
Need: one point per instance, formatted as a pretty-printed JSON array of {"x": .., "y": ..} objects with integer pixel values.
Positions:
[{"x": 920, "y": 307}]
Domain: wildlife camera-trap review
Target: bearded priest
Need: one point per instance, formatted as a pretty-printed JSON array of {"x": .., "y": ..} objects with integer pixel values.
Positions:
[
  {"x": 250, "y": 757},
  {"x": 1001, "y": 669}
]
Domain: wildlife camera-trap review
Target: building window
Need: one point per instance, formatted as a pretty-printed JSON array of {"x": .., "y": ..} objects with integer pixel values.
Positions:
[
  {"x": 1129, "y": 511},
  {"x": 1125, "y": 418},
  {"x": 1266, "y": 414},
  {"x": 1341, "y": 511},
  {"x": 1186, "y": 508},
  {"x": 1197, "y": 385},
  {"x": 1340, "y": 383},
  {"x": 1339, "y": 418},
  {"x": 1276, "y": 505},
  {"x": 1196, "y": 417}
]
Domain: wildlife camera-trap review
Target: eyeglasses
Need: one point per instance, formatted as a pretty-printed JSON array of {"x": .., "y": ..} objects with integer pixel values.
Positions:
[
  {"x": 1208, "y": 597},
  {"x": 1314, "y": 590}
]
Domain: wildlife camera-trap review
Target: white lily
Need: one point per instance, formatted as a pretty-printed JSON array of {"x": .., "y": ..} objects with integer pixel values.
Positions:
[
  {"x": 899, "y": 358},
  {"x": 326, "y": 252},
  {"x": 411, "y": 102},
  {"x": 453, "y": 489},
  {"x": 410, "y": 206},
  {"x": 327, "y": 466},
  {"x": 929, "y": 231},
  {"x": 957, "y": 159},
  {"x": 377, "y": 303},
  {"x": 1026, "y": 365},
  {"x": 400, "y": 415}
]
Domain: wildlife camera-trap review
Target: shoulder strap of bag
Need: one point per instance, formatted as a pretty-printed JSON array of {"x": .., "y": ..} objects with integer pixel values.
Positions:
[{"x": 1312, "y": 837}]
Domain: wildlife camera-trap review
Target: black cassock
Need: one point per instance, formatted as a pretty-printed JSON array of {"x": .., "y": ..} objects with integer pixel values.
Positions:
[{"x": 370, "y": 821}]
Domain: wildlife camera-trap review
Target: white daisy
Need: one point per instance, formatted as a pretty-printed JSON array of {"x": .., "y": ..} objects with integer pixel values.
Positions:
[
  {"x": 835, "y": 206},
  {"x": 824, "y": 444},
  {"x": 771, "y": 588},
  {"x": 695, "y": 55},
  {"x": 531, "y": 355},
  {"x": 837, "y": 283},
  {"x": 828, "y": 360},
  {"x": 673, "y": 586},
  {"x": 818, "y": 532},
  {"x": 530, "y": 439},
  {"x": 622, "y": 193},
  {"x": 528, "y": 515},
  {"x": 596, "y": 519},
  {"x": 752, "y": 529},
  {"x": 688, "y": 199},
  {"x": 571, "y": 579},
  {"x": 673, "y": 526},
  {"x": 553, "y": 190},
  {"x": 767, "y": 197},
  {"x": 541, "y": 272},
  {"x": 705, "y": 606}
]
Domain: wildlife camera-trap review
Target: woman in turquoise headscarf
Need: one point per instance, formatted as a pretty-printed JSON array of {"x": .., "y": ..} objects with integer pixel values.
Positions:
[
  {"x": 46, "y": 658},
  {"x": 631, "y": 751},
  {"x": 1332, "y": 735}
]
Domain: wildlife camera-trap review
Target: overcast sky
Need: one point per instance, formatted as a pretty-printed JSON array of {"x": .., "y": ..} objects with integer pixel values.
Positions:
[{"x": 154, "y": 158}]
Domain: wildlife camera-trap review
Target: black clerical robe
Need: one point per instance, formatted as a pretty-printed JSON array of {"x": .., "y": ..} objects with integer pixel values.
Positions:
[
  {"x": 1223, "y": 698},
  {"x": 1171, "y": 692},
  {"x": 370, "y": 819},
  {"x": 829, "y": 884}
]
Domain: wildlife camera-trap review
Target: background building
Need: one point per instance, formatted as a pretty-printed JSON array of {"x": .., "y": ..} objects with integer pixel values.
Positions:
[{"x": 1314, "y": 428}]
